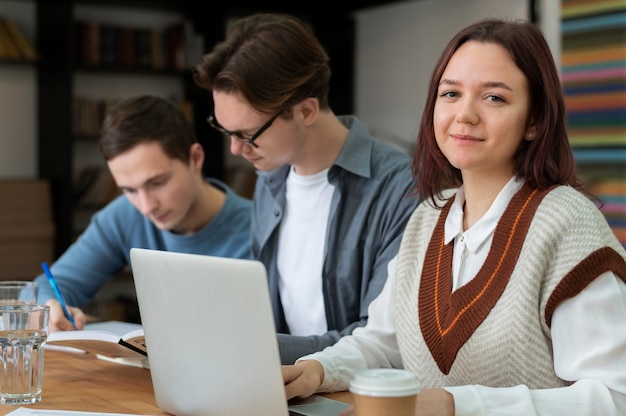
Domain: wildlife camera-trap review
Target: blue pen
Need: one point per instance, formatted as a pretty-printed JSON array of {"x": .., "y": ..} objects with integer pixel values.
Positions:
[{"x": 55, "y": 287}]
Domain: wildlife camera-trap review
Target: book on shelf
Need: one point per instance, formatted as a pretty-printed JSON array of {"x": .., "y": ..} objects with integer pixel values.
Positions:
[
  {"x": 8, "y": 47},
  {"x": 89, "y": 113},
  {"x": 176, "y": 50},
  {"x": 175, "y": 47},
  {"x": 24, "y": 46},
  {"x": 157, "y": 49},
  {"x": 126, "y": 47},
  {"x": 108, "y": 35},
  {"x": 114, "y": 340},
  {"x": 143, "y": 48}
]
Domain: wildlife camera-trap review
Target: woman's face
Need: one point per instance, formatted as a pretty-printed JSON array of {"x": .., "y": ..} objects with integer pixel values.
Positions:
[{"x": 481, "y": 111}]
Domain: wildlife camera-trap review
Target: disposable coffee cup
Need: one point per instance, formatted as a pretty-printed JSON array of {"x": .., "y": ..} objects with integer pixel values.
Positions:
[{"x": 384, "y": 392}]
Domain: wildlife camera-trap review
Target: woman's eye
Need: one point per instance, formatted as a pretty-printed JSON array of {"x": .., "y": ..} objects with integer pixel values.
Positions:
[
  {"x": 495, "y": 98},
  {"x": 449, "y": 94}
]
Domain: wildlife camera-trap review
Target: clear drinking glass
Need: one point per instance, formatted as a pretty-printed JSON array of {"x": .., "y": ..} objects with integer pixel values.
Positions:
[
  {"x": 23, "y": 334},
  {"x": 18, "y": 291}
]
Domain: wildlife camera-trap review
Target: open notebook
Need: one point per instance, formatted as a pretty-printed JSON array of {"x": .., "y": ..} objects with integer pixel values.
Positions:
[{"x": 211, "y": 338}]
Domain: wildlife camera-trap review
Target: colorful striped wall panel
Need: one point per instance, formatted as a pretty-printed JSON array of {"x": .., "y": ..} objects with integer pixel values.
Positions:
[{"x": 593, "y": 65}]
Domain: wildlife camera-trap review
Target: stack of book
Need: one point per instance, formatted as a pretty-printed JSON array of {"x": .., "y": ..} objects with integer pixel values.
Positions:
[
  {"x": 173, "y": 48},
  {"x": 14, "y": 45},
  {"x": 88, "y": 114},
  {"x": 26, "y": 228}
]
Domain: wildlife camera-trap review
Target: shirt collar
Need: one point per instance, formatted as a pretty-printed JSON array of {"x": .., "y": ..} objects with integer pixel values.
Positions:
[
  {"x": 484, "y": 227},
  {"x": 356, "y": 154}
]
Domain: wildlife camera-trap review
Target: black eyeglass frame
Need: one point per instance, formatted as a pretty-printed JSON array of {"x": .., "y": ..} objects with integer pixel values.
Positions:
[{"x": 237, "y": 134}]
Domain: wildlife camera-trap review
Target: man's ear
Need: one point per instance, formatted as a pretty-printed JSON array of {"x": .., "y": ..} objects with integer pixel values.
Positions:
[
  {"x": 308, "y": 110},
  {"x": 196, "y": 156}
]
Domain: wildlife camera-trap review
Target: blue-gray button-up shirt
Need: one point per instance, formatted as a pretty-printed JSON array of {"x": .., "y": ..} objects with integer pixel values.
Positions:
[{"x": 370, "y": 207}]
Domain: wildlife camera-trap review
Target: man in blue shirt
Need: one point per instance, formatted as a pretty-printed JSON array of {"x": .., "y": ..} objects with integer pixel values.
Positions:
[
  {"x": 331, "y": 201},
  {"x": 154, "y": 157}
]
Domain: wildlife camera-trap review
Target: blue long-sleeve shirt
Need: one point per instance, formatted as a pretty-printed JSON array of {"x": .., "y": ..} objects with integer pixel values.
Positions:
[
  {"x": 103, "y": 249},
  {"x": 370, "y": 207}
]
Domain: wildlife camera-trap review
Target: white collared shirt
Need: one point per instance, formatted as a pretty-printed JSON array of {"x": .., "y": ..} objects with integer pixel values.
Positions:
[{"x": 472, "y": 246}]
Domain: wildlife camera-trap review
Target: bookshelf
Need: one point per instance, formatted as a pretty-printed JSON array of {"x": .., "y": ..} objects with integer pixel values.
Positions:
[
  {"x": 594, "y": 81},
  {"x": 93, "y": 58}
]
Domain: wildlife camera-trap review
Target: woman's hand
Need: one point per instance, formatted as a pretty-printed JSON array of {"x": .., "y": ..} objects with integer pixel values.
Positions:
[
  {"x": 302, "y": 379},
  {"x": 434, "y": 402},
  {"x": 57, "y": 320}
]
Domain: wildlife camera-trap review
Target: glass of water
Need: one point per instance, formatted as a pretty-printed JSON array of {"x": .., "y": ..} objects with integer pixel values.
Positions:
[
  {"x": 18, "y": 291},
  {"x": 23, "y": 334}
]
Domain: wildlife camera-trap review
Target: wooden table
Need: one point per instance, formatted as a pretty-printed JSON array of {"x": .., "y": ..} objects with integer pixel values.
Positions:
[{"x": 84, "y": 383}]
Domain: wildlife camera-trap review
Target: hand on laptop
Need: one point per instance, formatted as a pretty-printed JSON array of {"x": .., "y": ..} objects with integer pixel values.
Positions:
[
  {"x": 302, "y": 379},
  {"x": 58, "y": 321}
]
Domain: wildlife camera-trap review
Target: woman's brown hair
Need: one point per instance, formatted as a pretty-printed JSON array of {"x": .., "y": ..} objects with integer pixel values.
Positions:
[{"x": 544, "y": 161}]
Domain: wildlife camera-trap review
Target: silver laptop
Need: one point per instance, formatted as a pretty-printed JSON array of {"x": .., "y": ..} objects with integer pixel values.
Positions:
[{"x": 211, "y": 338}]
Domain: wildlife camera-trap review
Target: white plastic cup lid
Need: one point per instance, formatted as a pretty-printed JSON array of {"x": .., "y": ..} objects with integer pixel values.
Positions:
[{"x": 385, "y": 382}]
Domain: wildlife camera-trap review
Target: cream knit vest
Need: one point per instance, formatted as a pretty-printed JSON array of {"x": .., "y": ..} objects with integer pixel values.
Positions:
[{"x": 495, "y": 330}]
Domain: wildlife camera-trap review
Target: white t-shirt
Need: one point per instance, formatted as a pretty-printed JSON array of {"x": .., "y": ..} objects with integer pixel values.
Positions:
[{"x": 301, "y": 252}]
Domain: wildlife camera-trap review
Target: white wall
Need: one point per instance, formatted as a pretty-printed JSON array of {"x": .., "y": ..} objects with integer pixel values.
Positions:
[
  {"x": 396, "y": 49},
  {"x": 18, "y": 102},
  {"x": 550, "y": 23}
]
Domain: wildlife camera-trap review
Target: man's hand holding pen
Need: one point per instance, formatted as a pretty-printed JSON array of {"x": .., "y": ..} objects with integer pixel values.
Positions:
[{"x": 59, "y": 322}]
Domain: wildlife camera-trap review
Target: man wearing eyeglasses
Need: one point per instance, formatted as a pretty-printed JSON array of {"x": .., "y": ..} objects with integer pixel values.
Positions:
[{"x": 331, "y": 201}]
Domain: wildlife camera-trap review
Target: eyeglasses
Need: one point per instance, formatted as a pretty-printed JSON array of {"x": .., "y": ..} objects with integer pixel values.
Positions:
[{"x": 237, "y": 134}]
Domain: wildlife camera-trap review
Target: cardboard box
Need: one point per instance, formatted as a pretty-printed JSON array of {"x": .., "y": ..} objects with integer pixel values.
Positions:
[{"x": 26, "y": 228}]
